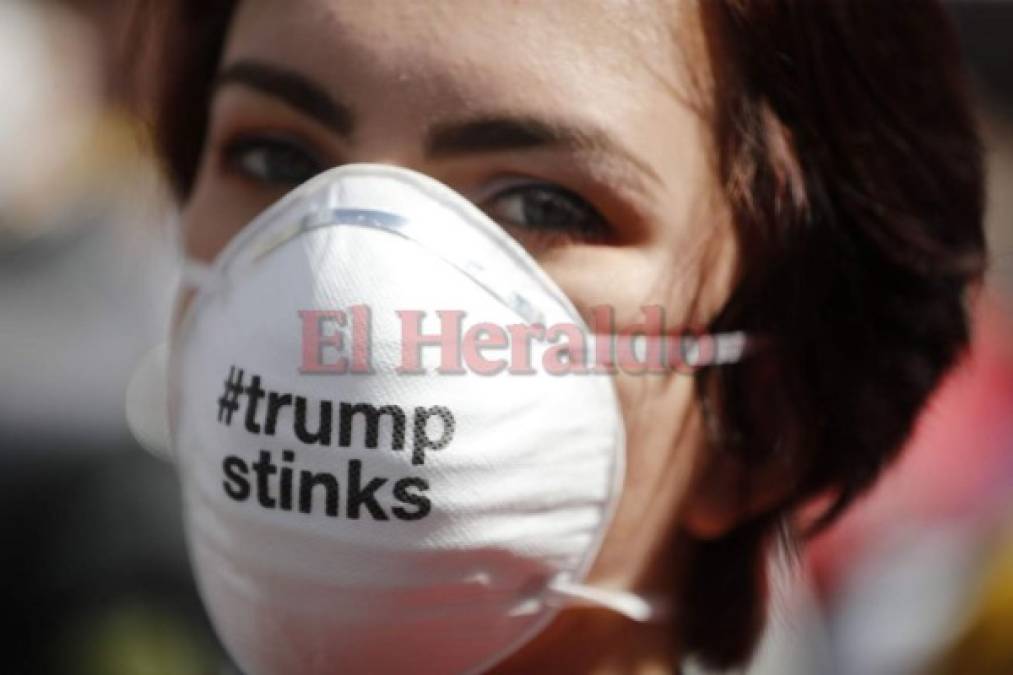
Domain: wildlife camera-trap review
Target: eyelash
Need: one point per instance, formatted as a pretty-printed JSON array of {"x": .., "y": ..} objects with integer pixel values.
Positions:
[
  {"x": 239, "y": 152},
  {"x": 552, "y": 202}
]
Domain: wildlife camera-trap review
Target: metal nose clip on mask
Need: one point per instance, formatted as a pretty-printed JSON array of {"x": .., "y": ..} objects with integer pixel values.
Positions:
[{"x": 398, "y": 518}]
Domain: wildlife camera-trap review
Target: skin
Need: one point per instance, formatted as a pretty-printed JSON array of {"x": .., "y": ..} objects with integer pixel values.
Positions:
[{"x": 619, "y": 73}]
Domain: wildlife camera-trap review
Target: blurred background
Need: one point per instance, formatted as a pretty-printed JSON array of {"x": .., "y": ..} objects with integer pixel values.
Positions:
[{"x": 918, "y": 578}]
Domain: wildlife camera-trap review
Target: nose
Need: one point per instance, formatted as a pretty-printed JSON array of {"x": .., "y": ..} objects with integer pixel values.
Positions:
[{"x": 390, "y": 140}]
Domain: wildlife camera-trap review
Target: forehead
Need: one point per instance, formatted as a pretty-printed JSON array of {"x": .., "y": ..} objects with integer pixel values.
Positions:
[{"x": 471, "y": 53}]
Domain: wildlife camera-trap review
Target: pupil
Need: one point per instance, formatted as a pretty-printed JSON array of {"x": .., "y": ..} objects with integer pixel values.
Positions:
[
  {"x": 545, "y": 209},
  {"x": 290, "y": 166}
]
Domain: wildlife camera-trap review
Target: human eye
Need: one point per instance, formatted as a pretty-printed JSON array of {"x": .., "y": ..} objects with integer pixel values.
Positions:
[
  {"x": 545, "y": 209},
  {"x": 271, "y": 160}
]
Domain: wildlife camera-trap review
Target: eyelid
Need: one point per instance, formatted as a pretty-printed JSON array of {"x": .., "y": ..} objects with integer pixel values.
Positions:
[
  {"x": 234, "y": 156},
  {"x": 240, "y": 110},
  {"x": 498, "y": 186},
  {"x": 511, "y": 186},
  {"x": 503, "y": 186},
  {"x": 242, "y": 140}
]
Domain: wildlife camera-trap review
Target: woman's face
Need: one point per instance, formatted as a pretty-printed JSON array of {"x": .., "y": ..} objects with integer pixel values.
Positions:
[{"x": 569, "y": 123}]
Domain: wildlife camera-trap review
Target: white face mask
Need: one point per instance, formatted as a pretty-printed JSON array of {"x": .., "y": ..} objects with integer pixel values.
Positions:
[{"x": 383, "y": 521}]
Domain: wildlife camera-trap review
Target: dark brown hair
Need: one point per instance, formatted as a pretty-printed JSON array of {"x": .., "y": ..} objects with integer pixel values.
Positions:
[
  {"x": 848, "y": 156},
  {"x": 852, "y": 167}
]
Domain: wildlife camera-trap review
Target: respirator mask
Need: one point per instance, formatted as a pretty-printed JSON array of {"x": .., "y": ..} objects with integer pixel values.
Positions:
[{"x": 384, "y": 466}]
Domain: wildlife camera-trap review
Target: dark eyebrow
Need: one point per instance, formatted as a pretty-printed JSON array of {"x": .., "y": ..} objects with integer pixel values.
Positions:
[
  {"x": 482, "y": 134},
  {"x": 294, "y": 89},
  {"x": 494, "y": 134}
]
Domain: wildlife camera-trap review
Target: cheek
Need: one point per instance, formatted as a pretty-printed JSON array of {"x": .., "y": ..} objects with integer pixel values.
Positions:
[
  {"x": 209, "y": 224},
  {"x": 689, "y": 278},
  {"x": 625, "y": 280},
  {"x": 592, "y": 278},
  {"x": 214, "y": 214},
  {"x": 218, "y": 209},
  {"x": 655, "y": 405}
]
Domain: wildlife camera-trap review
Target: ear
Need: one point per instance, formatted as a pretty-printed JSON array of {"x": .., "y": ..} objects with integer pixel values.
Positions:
[{"x": 726, "y": 492}]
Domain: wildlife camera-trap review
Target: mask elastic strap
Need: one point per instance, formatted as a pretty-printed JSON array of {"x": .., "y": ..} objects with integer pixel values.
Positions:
[
  {"x": 684, "y": 351},
  {"x": 716, "y": 349},
  {"x": 630, "y": 605}
]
